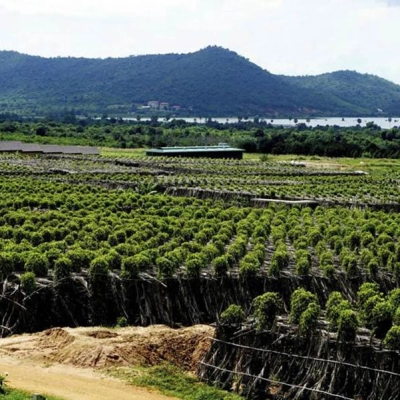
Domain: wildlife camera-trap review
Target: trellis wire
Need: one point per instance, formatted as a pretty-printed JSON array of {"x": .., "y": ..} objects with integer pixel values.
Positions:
[
  {"x": 277, "y": 382},
  {"x": 307, "y": 357}
]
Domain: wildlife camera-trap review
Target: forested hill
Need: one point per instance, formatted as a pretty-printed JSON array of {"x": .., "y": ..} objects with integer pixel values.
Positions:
[
  {"x": 210, "y": 82},
  {"x": 369, "y": 92}
]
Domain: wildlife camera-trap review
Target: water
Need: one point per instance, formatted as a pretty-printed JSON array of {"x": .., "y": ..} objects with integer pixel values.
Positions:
[{"x": 383, "y": 122}]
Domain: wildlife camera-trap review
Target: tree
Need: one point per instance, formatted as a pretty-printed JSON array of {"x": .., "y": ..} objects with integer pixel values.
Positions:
[
  {"x": 347, "y": 325},
  {"x": 6, "y": 267},
  {"x": 37, "y": 263},
  {"x": 42, "y": 131},
  {"x": 234, "y": 314},
  {"x": 392, "y": 339},
  {"x": 309, "y": 319},
  {"x": 62, "y": 268},
  {"x": 266, "y": 308},
  {"x": 366, "y": 291},
  {"x": 334, "y": 307},
  {"x": 165, "y": 267},
  {"x": 130, "y": 267},
  {"x": 220, "y": 265},
  {"x": 299, "y": 302},
  {"x": 28, "y": 282}
]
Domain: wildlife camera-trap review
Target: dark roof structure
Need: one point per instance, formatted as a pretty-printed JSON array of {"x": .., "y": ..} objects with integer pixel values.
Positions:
[
  {"x": 10, "y": 146},
  {"x": 30, "y": 148},
  {"x": 223, "y": 150},
  {"x": 15, "y": 146}
]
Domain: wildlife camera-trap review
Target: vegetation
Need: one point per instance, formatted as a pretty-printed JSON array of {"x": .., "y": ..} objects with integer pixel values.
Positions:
[
  {"x": 347, "y": 85},
  {"x": 309, "y": 319},
  {"x": 252, "y": 135},
  {"x": 392, "y": 340},
  {"x": 212, "y": 81},
  {"x": 266, "y": 308},
  {"x": 347, "y": 325},
  {"x": 300, "y": 302},
  {"x": 13, "y": 394},
  {"x": 172, "y": 381},
  {"x": 234, "y": 314},
  {"x": 65, "y": 216}
]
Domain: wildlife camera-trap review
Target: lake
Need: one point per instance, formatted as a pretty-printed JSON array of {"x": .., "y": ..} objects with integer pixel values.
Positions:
[{"x": 384, "y": 123}]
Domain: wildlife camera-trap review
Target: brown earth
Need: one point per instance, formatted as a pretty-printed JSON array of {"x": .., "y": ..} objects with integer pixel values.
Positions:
[{"x": 67, "y": 362}]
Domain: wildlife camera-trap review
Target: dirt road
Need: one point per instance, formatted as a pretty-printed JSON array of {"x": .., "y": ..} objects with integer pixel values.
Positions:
[{"x": 70, "y": 383}]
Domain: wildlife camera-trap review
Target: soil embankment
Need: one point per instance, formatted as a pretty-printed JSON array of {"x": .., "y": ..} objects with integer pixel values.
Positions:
[{"x": 70, "y": 363}]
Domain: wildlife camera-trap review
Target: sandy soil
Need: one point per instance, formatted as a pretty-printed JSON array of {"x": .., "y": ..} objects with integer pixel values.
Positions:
[{"x": 68, "y": 362}]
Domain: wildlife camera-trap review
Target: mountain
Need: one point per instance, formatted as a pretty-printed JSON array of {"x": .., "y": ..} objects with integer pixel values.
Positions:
[
  {"x": 367, "y": 91},
  {"x": 210, "y": 82}
]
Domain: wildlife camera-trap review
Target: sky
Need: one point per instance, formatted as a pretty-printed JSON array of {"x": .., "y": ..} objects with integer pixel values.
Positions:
[{"x": 290, "y": 37}]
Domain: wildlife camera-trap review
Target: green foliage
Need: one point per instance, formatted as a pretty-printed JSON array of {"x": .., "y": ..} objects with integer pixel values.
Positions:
[
  {"x": 303, "y": 262},
  {"x": 309, "y": 319},
  {"x": 122, "y": 322},
  {"x": 334, "y": 307},
  {"x": 392, "y": 339},
  {"x": 28, "y": 282},
  {"x": 299, "y": 301},
  {"x": 349, "y": 265},
  {"x": 250, "y": 265},
  {"x": 248, "y": 270},
  {"x": 80, "y": 259},
  {"x": 329, "y": 271},
  {"x": 347, "y": 325},
  {"x": 266, "y": 308},
  {"x": 6, "y": 265},
  {"x": 243, "y": 88},
  {"x": 171, "y": 381},
  {"x": 394, "y": 298},
  {"x": 234, "y": 314},
  {"x": 373, "y": 267},
  {"x": 130, "y": 267},
  {"x": 343, "y": 84},
  {"x": 2, "y": 379},
  {"x": 314, "y": 236},
  {"x": 221, "y": 264},
  {"x": 367, "y": 311},
  {"x": 369, "y": 297},
  {"x": 194, "y": 264},
  {"x": 37, "y": 263},
  {"x": 280, "y": 259},
  {"x": 366, "y": 291},
  {"x": 14, "y": 394},
  {"x": 353, "y": 240},
  {"x": 99, "y": 267},
  {"x": 165, "y": 267},
  {"x": 62, "y": 268}
]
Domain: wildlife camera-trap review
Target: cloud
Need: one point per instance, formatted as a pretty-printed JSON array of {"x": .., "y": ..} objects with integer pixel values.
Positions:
[
  {"x": 283, "y": 36},
  {"x": 393, "y": 3}
]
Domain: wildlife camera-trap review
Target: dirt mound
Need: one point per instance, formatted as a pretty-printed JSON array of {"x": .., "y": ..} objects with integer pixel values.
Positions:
[
  {"x": 99, "y": 348},
  {"x": 55, "y": 337},
  {"x": 102, "y": 334}
]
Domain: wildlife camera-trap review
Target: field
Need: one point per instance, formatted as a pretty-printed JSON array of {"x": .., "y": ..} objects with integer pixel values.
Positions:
[{"x": 122, "y": 223}]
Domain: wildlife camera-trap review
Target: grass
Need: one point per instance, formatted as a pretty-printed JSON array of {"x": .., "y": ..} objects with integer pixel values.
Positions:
[
  {"x": 172, "y": 381},
  {"x": 370, "y": 165},
  {"x": 114, "y": 152},
  {"x": 13, "y": 394}
]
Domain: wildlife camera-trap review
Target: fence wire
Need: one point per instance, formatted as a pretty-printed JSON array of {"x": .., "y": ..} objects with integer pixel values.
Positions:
[
  {"x": 338, "y": 396},
  {"x": 381, "y": 371}
]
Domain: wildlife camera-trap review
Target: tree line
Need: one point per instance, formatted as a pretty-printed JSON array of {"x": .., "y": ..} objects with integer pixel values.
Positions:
[{"x": 253, "y": 135}]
